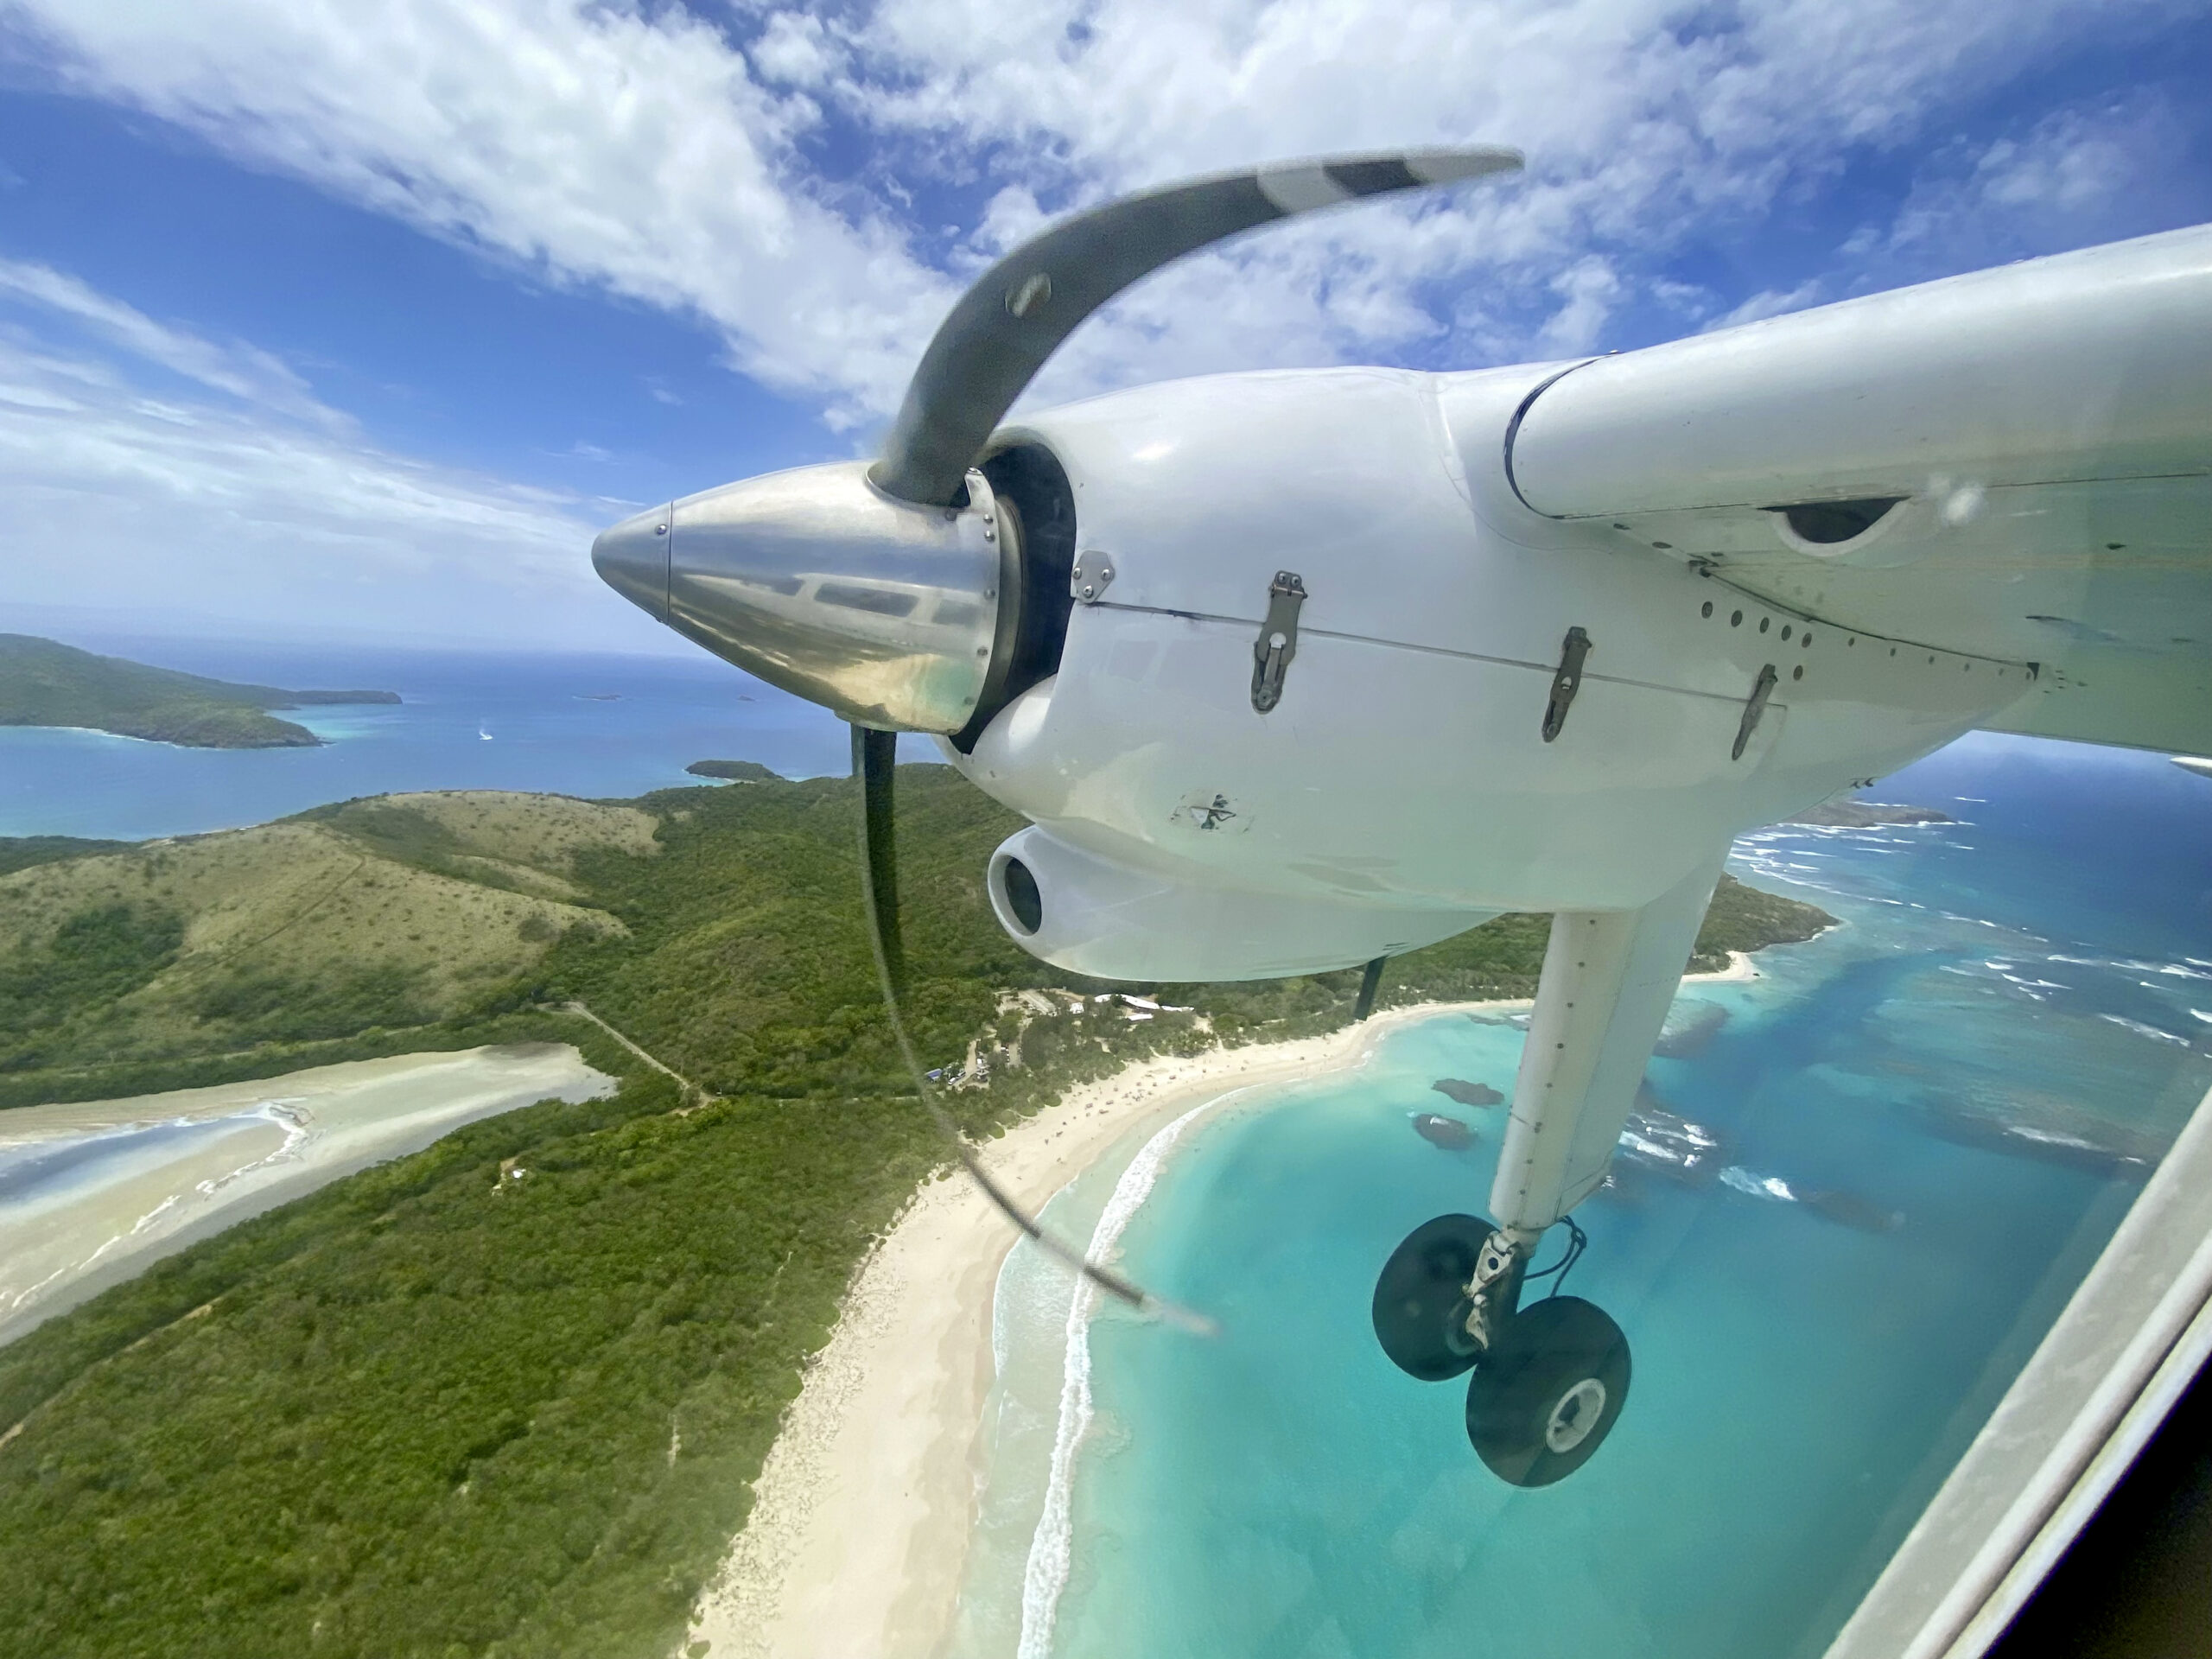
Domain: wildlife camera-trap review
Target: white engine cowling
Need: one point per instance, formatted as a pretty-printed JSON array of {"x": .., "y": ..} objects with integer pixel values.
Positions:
[
  {"x": 1093, "y": 916},
  {"x": 1409, "y": 780}
]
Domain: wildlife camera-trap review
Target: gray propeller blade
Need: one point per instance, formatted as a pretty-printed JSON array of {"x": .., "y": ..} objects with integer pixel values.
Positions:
[
  {"x": 1020, "y": 309},
  {"x": 876, "y": 760}
]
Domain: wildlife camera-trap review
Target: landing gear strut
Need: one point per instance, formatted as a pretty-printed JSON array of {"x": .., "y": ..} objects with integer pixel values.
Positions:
[{"x": 1549, "y": 1379}]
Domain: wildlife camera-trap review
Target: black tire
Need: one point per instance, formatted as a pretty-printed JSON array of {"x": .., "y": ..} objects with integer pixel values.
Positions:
[
  {"x": 1540, "y": 1407},
  {"x": 1419, "y": 1301}
]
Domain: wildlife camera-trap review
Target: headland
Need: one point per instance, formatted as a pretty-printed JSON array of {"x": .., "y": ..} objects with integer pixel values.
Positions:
[{"x": 44, "y": 683}]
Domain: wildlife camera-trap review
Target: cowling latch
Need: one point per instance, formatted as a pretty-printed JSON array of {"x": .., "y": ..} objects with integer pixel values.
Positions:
[
  {"x": 1762, "y": 689},
  {"x": 1278, "y": 640},
  {"x": 1566, "y": 683}
]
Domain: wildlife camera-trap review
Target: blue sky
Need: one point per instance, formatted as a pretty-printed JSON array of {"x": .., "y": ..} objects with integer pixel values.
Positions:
[{"x": 356, "y": 320}]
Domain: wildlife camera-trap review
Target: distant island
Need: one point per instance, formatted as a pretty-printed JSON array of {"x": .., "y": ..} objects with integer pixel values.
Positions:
[
  {"x": 1864, "y": 815},
  {"x": 44, "y": 683},
  {"x": 733, "y": 771}
]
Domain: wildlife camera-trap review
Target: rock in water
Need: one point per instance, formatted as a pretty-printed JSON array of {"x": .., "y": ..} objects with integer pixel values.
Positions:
[
  {"x": 1448, "y": 1133},
  {"x": 1852, "y": 1211},
  {"x": 1467, "y": 1094}
]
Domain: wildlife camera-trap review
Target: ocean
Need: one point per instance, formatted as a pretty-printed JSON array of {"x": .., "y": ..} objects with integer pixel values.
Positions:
[
  {"x": 1930, "y": 1122},
  {"x": 593, "y": 726}
]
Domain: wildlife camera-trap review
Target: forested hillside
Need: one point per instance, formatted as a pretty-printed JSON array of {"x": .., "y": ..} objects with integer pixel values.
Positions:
[{"x": 503, "y": 1397}]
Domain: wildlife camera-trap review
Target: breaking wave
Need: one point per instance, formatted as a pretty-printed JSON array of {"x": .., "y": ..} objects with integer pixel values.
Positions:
[
  {"x": 1759, "y": 1187},
  {"x": 2142, "y": 1030},
  {"x": 1051, "y": 1547}
]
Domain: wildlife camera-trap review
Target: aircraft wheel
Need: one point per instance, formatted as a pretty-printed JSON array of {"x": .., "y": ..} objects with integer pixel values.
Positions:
[
  {"x": 1420, "y": 1305},
  {"x": 1541, "y": 1404}
]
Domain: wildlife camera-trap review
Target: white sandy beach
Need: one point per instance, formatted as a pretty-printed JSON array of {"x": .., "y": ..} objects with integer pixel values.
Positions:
[
  {"x": 218, "y": 1154},
  {"x": 862, "y": 1513}
]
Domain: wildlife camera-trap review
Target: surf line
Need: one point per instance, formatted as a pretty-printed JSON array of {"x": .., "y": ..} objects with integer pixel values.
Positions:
[{"x": 1051, "y": 1546}]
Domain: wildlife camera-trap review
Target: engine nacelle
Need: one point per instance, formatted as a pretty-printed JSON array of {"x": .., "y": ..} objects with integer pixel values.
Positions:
[
  {"x": 1093, "y": 916},
  {"x": 1434, "y": 749}
]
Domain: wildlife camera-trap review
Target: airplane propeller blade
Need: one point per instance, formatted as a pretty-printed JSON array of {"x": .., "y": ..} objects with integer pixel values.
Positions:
[
  {"x": 1019, "y": 311},
  {"x": 875, "y": 763},
  {"x": 875, "y": 758}
]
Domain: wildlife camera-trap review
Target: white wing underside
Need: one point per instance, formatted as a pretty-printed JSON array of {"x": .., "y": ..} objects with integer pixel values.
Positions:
[{"x": 2044, "y": 428}]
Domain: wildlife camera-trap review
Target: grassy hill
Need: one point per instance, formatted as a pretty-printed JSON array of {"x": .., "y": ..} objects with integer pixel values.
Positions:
[
  {"x": 123, "y": 969},
  {"x": 43, "y": 683},
  {"x": 428, "y": 1411}
]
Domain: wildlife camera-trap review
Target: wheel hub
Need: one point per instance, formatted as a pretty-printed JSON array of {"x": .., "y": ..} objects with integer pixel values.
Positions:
[{"x": 1580, "y": 1409}]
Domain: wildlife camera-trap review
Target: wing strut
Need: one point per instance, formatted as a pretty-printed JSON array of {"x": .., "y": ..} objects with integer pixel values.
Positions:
[{"x": 1369, "y": 982}]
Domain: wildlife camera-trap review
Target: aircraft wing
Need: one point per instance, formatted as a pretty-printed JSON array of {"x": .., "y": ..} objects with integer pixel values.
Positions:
[{"x": 2014, "y": 464}]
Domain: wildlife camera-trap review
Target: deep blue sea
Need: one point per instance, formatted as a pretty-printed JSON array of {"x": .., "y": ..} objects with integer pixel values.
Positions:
[
  {"x": 1932, "y": 1119},
  {"x": 593, "y": 726}
]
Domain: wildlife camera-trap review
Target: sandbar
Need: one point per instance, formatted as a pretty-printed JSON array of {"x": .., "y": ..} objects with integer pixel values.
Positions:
[{"x": 93, "y": 1191}]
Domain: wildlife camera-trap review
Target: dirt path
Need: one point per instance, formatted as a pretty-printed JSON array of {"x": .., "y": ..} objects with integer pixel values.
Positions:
[{"x": 692, "y": 1093}]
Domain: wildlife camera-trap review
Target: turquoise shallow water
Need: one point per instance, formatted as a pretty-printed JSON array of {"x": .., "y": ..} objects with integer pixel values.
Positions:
[{"x": 1931, "y": 1120}]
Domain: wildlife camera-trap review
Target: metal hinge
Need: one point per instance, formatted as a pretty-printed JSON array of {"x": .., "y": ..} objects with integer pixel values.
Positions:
[
  {"x": 1566, "y": 683},
  {"x": 1490, "y": 1293},
  {"x": 1761, "y": 691},
  {"x": 1278, "y": 640}
]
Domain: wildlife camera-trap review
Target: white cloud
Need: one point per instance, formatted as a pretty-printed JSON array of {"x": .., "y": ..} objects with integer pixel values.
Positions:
[
  {"x": 240, "y": 500},
  {"x": 638, "y": 148},
  {"x": 243, "y": 372},
  {"x": 2082, "y": 175},
  {"x": 796, "y": 50},
  {"x": 1768, "y": 302},
  {"x": 1644, "y": 121},
  {"x": 590, "y": 142},
  {"x": 1587, "y": 292}
]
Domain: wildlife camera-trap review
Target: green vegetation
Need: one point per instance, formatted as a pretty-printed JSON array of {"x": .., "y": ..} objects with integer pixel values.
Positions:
[
  {"x": 737, "y": 772},
  {"x": 1750, "y": 918},
  {"x": 330, "y": 935},
  {"x": 43, "y": 683},
  {"x": 503, "y": 1397},
  {"x": 21, "y": 852},
  {"x": 1855, "y": 814}
]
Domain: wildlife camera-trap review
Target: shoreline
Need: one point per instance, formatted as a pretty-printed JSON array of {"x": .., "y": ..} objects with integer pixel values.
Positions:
[
  {"x": 253, "y": 1144},
  {"x": 857, "y": 1541}
]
